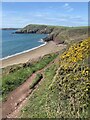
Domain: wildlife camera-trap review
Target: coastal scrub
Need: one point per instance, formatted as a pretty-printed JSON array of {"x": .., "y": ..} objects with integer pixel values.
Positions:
[{"x": 12, "y": 79}]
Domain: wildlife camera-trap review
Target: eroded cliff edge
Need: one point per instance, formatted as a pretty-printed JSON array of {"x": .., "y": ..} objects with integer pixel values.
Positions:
[{"x": 58, "y": 34}]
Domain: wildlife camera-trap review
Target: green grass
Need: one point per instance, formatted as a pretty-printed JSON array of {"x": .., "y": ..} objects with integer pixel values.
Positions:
[
  {"x": 13, "y": 80},
  {"x": 53, "y": 26},
  {"x": 36, "y": 80},
  {"x": 67, "y": 93},
  {"x": 36, "y": 106},
  {"x": 43, "y": 62},
  {"x": 16, "y": 78}
]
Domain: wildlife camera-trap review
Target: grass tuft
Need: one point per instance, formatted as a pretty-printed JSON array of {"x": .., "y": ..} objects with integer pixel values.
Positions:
[{"x": 36, "y": 80}]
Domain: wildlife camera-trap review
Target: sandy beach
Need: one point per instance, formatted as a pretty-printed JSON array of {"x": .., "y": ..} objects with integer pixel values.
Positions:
[{"x": 50, "y": 47}]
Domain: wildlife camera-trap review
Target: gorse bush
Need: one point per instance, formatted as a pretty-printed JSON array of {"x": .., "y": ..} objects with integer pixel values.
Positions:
[
  {"x": 65, "y": 91},
  {"x": 76, "y": 53},
  {"x": 72, "y": 83}
]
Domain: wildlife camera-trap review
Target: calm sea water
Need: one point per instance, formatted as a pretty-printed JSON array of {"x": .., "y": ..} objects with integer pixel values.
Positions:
[{"x": 16, "y": 43}]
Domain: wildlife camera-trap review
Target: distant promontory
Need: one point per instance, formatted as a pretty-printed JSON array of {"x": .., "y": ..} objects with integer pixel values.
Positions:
[
  {"x": 9, "y": 28},
  {"x": 58, "y": 34}
]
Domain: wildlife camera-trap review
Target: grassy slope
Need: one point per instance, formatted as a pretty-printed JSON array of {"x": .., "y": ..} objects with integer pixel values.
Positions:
[
  {"x": 71, "y": 85},
  {"x": 67, "y": 92},
  {"x": 59, "y": 34},
  {"x": 36, "y": 106},
  {"x": 51, "y": 26},
  {"x": 17, "y": 77}
]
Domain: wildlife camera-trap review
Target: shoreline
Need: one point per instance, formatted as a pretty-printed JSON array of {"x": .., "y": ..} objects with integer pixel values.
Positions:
[
  {"x": 23, "y": 51},
  {"x": 32, "y": 54}
]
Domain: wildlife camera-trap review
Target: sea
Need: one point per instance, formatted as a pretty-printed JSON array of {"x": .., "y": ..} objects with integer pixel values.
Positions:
[{"x": 13, "y": 44}]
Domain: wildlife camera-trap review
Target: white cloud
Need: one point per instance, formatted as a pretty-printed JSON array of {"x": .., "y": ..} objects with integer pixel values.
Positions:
[
  {"x": 66, "y": 4},
  {"x": 16, "y": 18},
  {"x": 67, "y": 7}
]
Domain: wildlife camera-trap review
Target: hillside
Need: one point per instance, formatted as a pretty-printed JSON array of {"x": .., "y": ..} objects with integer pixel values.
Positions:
[
  {"x": 65, "y": 90},
  {"x": 61, "y": 88},
  {"x": 59, "y": 34}
]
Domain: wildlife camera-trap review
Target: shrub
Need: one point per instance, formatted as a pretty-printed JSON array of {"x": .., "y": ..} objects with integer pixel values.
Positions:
[{"x": 36, "y": 80}]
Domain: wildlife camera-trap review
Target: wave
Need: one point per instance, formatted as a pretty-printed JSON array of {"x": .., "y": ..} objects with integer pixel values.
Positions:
[
  {"x": 23, "y": 51},
  {"x": 42, "y": 41}
]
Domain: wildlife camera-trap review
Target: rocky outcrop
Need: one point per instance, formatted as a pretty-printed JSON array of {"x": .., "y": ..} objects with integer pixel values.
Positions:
[
  {"x": 58, "y": 34},
  {"x": 41, "y": 29}
]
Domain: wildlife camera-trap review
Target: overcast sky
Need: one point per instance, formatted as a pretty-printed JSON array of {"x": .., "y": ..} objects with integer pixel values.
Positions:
[{"x": 19, "y": 14}]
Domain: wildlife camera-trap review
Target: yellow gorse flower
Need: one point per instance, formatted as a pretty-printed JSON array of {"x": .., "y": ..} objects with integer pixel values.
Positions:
[{"x": 75, "y": 53}]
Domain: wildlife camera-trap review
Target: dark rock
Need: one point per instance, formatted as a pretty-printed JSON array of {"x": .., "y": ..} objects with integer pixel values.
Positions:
[
  {"x": 48, "y": 38},
  {"x": 24, "y": 65}
]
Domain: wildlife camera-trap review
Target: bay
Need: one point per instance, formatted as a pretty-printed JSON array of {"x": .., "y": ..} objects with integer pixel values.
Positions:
[{"x": 17, "y": 43}]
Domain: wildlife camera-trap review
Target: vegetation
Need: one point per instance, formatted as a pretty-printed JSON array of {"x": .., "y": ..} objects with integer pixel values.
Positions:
[
  {"x": 36, "y": 80},
  {"x": 59, "y": 34},
  {"x": 36, "y": 106},
  {"x": 44, "y": 62},
  {"x": 71, "y": 84},
  {"x": 16, "y": 77},
  {"x": 65, "y": 90}
]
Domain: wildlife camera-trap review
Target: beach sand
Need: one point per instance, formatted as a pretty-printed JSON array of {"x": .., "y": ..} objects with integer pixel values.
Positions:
[{"x": 50, "y": 47}]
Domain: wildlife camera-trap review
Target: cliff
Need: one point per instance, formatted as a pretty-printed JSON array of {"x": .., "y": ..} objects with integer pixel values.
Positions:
[{"x": 59, "y": 34}]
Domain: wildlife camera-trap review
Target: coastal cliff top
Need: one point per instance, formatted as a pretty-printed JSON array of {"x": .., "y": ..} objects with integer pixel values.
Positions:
[{"x": 58, "y": 34}]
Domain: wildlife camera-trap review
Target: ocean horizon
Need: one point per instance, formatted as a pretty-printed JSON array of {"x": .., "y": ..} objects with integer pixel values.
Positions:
[{"x": 14, "y": 44}]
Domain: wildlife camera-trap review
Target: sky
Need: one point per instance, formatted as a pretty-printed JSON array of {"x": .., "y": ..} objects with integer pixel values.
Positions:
[{"x": 20, "y": 14}]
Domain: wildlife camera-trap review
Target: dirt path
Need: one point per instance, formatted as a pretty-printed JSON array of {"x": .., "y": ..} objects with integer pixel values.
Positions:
[
  {"x": 16, "y": 113},
  {"x": 18, "y": 97}
]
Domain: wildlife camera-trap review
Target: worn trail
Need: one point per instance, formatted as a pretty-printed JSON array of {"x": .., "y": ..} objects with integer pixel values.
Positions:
[{"x": 18, "y": 97}]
